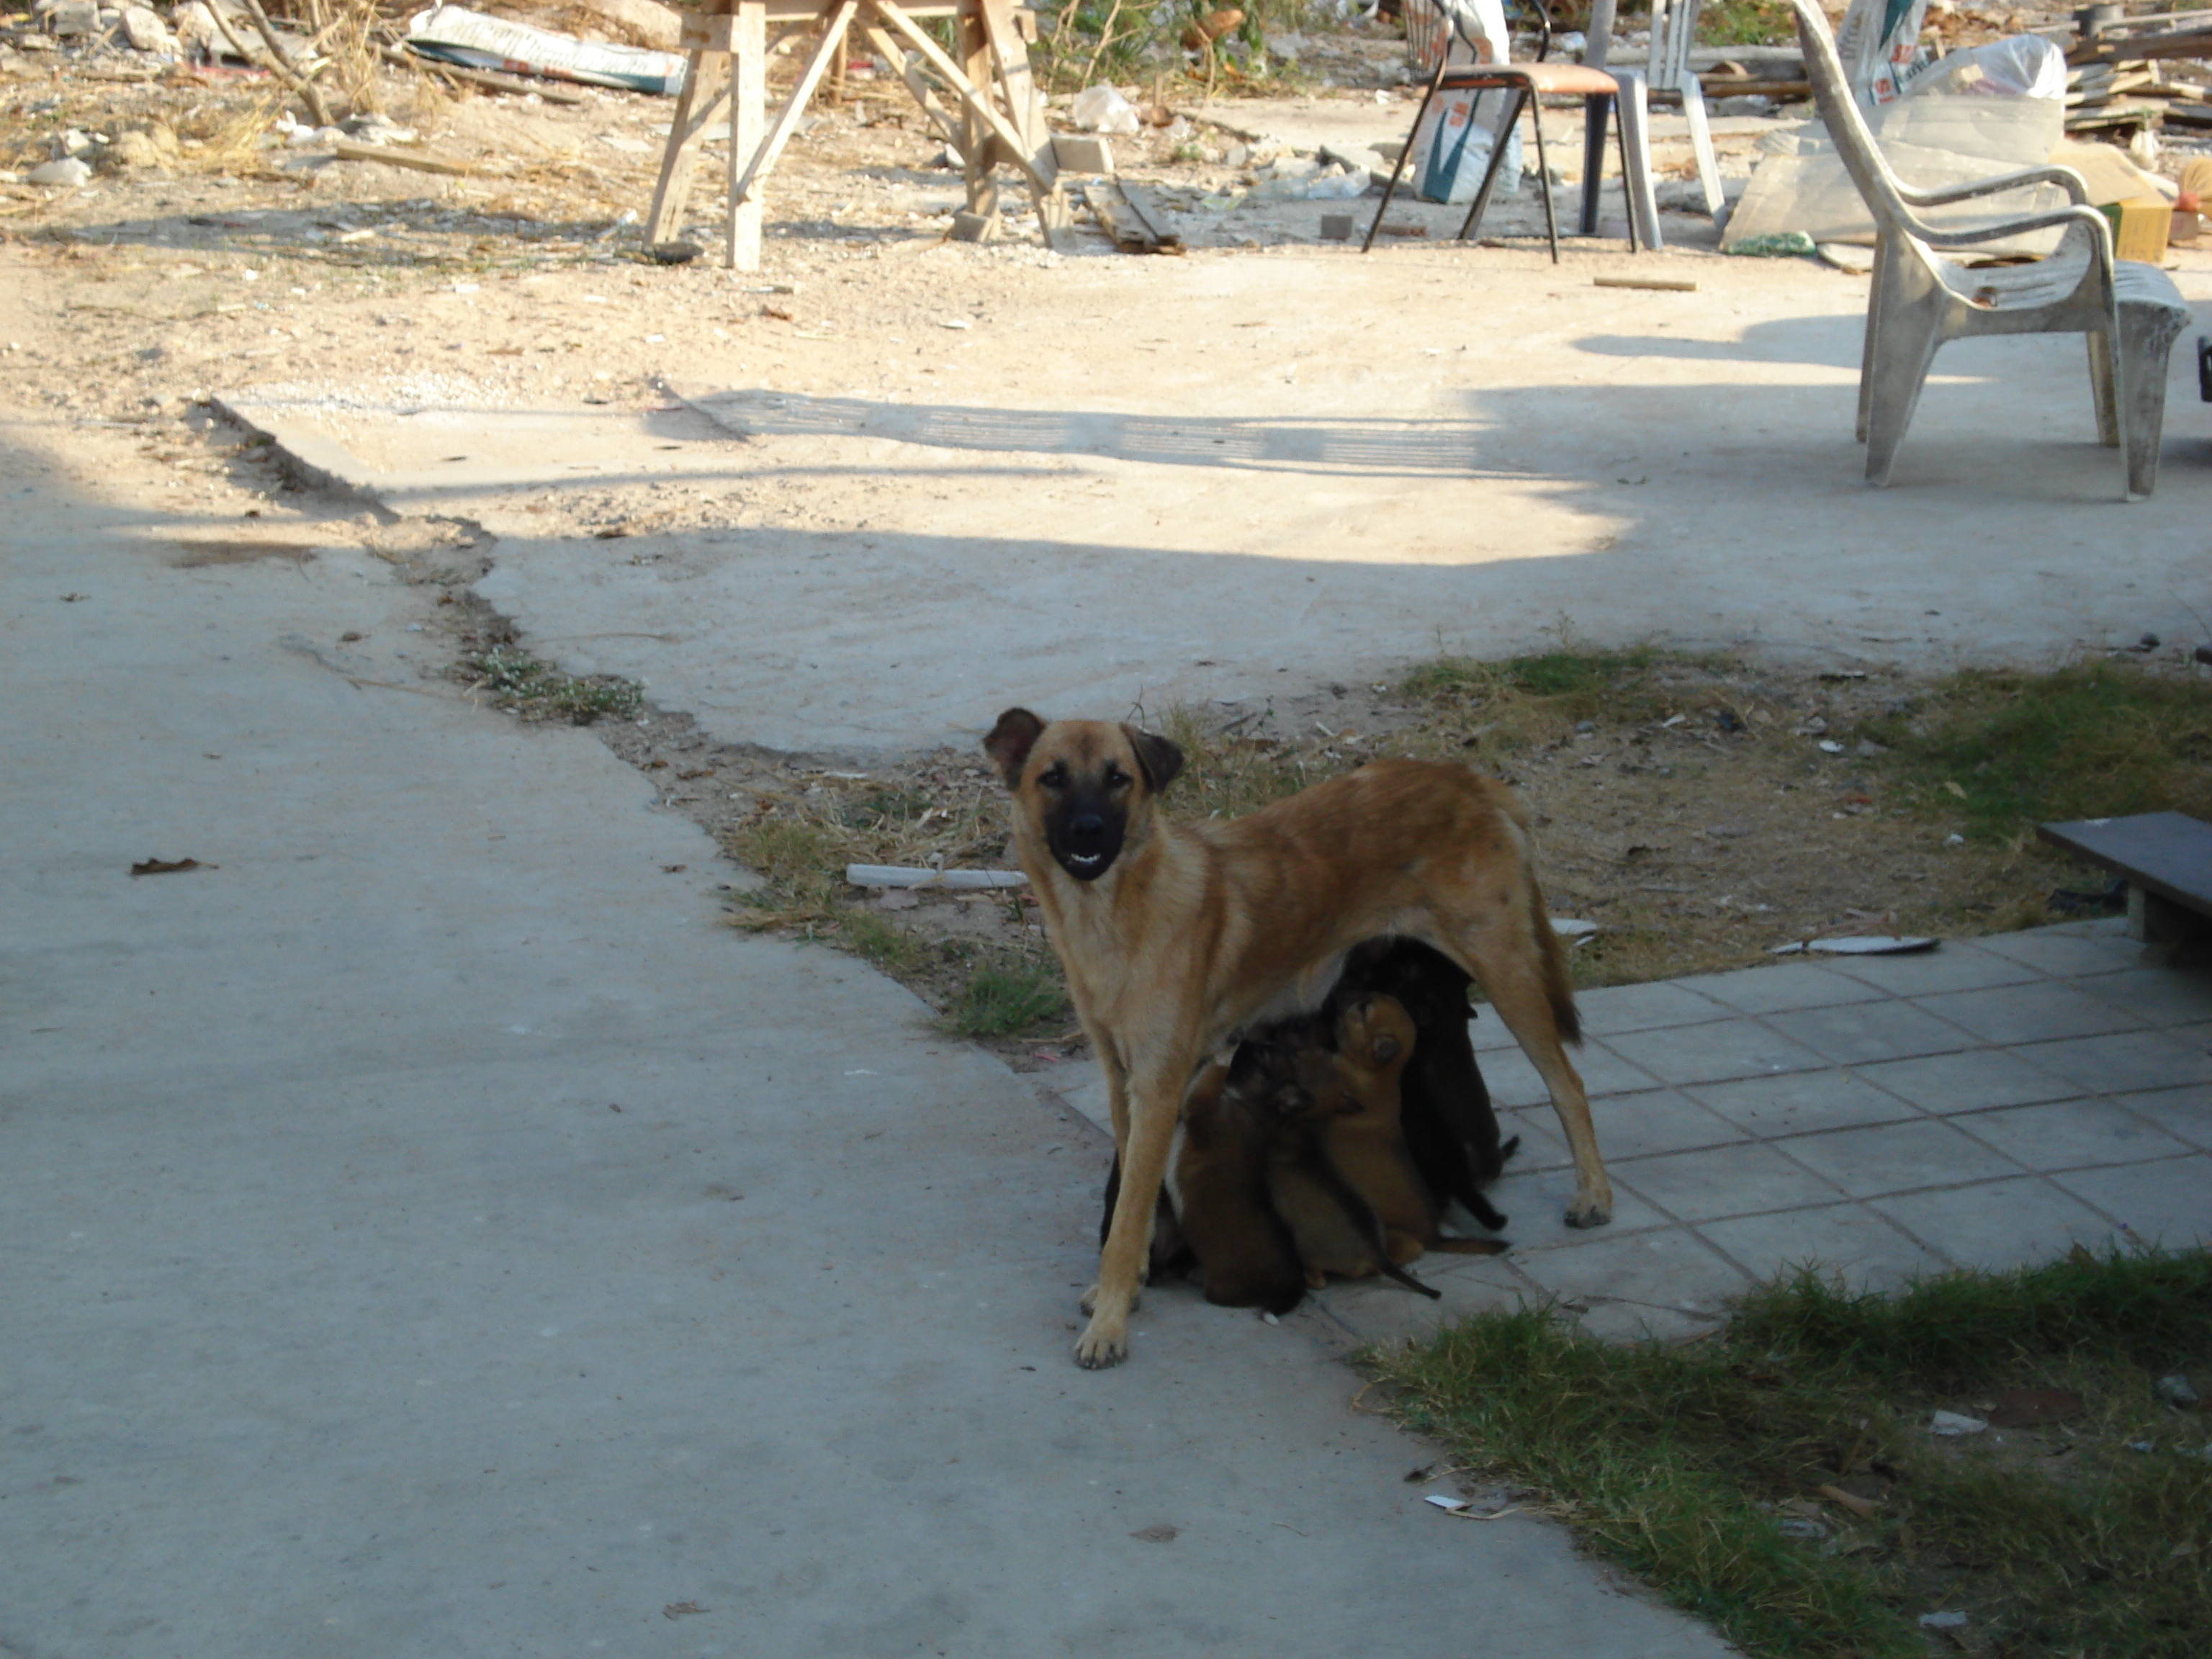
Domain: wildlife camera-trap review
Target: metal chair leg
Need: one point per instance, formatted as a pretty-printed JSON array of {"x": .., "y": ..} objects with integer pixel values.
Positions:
[
  {"x": 1543, "y": 177},
  {"x": 1481, "y": 205},
  {"x": 1399, "y": 170},
  {"x": 1594, "y": 112},
  {"x": 1628, "y": 179}
]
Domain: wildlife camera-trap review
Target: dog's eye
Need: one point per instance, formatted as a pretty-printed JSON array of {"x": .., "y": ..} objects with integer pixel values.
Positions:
[
  {"x": 1053, "y": 777},
  {"x": 1116, "y": 778}
]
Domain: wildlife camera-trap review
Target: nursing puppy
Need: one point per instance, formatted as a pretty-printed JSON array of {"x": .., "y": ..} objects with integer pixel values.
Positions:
[
  {"x": 1175, "y": 936},
  {"x": 1450, "y": 1130}
]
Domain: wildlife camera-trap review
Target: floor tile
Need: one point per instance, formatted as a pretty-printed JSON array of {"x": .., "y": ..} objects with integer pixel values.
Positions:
[
  {"x": 1512, "y": 1081},
  {"x": 2186, "y": 1112},
  {"x": 2069, "y": 952},
  {"x": 1660, "y": 1120},
  {"x": 1670, "y": 1269},
  {"x": 1798, "y": 1101},
  {"x": 1865, "y": 1249},
  {"x": 1778, "y": 990},
  {"x": 2164, "y": 996},
  {"x": 1863, "y": 1035},
  {"x": 2123, "y": 1063},
  {"x": 1895, "y": 1158},
  {"x": 1712, "y": 1053},
  {"x": 1955, "y": 967},
  {"x": 1380, "y": 1310},
  {"x": 2168, "y": 1203},
  {"x": 1967, "y": 1082},
  {"x": 1543, "y": 1146},
  {"x": 1643, "y": 1007},
  {"x": 2071, "y": 1134},
  {"x": 2031, "y": 1013},
  {"x": 1781, "y": 989},
  {"x": 2000, "y": 1223},
  {"x": 1737, "y": 1180},
  {"x": 1534, "y": 1205}
]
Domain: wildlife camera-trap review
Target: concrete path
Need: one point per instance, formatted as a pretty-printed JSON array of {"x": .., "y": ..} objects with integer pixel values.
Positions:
[
  {"x": 1986, "y": 1105},
  {"x": 430, "y": 1232}
]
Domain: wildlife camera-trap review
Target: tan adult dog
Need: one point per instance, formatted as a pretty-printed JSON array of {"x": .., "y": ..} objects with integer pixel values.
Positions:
[{"x": 1174, "y": 936}]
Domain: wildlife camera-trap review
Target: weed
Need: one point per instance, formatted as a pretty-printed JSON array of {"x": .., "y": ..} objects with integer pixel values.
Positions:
[
  {"x": 537, "y": 691},
  {"x": 1745, "y": 23},
  {"x": 1001, "y": 1000},
  {"x": 1710, "y": 1469},
  {"x": 2005, "y": 749},
  {"x": 1527, "y": 700}
]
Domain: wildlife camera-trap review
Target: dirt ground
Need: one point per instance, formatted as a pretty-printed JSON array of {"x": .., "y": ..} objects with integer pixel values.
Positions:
[{"x": 1696, "y": 818}]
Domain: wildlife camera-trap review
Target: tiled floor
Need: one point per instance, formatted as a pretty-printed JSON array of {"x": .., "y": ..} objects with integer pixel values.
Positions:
[{"x": 1991, "y": 1103}]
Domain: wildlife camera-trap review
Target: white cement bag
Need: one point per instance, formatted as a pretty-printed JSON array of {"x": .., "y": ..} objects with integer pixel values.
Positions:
[
  {"x": 1452, "y": 147},
  {"x": 1880, "y": 45}
]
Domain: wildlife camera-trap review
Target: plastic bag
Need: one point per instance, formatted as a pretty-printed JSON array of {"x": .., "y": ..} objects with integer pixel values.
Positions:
[
  {"x": 1102, "y": 108},
  {"x": 2024, "y": 66},
  {"x": 1880, "y": 45}
]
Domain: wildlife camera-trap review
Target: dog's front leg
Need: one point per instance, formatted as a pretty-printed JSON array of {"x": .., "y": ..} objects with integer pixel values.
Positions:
[{"x": 1154, "y": 1105}]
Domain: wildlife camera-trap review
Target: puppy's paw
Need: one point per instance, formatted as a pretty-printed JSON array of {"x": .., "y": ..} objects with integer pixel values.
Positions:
[
  {"x": 1088, "y": 1300},
  {"x": 1102, "y": 1344},
  {"x": 1590, "y": 1209}
]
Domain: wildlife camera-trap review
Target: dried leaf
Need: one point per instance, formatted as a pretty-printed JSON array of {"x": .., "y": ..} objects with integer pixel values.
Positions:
[{"x": 169, "y": 866}]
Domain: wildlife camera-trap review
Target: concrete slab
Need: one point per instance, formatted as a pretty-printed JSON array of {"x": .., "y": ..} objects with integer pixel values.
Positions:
[
  {"x": 881, "y": 558},
  {"x": 441, "y": 1235}
]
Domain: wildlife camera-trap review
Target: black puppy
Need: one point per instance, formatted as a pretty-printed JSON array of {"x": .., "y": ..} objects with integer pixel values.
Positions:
[{"x": 1451, "y": 1132}]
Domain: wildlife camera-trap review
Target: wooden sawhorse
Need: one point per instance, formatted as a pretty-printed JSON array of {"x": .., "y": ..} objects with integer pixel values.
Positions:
[{"x": 996, "y": 115}]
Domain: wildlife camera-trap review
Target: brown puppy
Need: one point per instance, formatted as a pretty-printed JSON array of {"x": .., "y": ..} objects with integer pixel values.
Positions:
[
  {"x": 1334, "y": 1228},
  {"x": 1221, "y": 1183},
  {"x": 1451, "y": 1131},
  {"x": 1376, "y": 1039},
  {"x": 1175, "y": 936}
]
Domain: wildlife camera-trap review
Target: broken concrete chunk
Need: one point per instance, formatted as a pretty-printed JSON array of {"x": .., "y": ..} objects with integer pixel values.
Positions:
[{"x": 69, "y": 173}]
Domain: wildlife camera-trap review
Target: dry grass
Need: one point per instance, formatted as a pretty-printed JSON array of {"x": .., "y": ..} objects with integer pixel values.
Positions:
[{"x": 1684, "y": 804}]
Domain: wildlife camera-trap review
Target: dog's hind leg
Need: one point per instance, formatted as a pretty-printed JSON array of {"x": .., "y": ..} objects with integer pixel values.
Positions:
[{"x": 1528, "y": 988}]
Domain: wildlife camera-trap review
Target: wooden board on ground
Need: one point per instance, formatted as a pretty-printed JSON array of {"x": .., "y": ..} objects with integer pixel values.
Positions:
[
  {"x": 1152, "y": 216},
  {"x": 2166, "y": 856}
]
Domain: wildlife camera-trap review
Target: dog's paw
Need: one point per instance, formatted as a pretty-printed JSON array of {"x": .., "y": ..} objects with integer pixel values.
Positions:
[
  {"x": 1088, "y": 1300},
  {"x": 1590, "y": 1210},
  {"x": 1102, "y": 1345}
]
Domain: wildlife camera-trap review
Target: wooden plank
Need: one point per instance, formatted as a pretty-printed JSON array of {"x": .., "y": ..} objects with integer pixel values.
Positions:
[
  {"x": 706, "y": 88},
  {"x": 1130, "y": 233},
  {"x": 976, "y": 101},
  {"x": 1149, "y": 212},
  {"x": 1010, "y": 53},
  {"x": 748, "y": 107},
  {"x": 916, "y": 83},
  {"x": 392, "y": 156},
  {"x": 2168, "y": 853},
  {"x": 839, "y": 20}
]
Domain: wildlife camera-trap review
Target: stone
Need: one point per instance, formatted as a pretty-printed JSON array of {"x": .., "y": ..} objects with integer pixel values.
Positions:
[
  {"x": 1077, "y": 152},
  {"x": 73, "y": 17},
  {"x": 146, "y": 31},
  {"x": 132, "y": 150},
  {"x": 69, "y": 173}
]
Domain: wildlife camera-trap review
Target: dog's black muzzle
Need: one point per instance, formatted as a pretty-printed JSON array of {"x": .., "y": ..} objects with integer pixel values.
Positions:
[{"x": 1086, "y": 837}]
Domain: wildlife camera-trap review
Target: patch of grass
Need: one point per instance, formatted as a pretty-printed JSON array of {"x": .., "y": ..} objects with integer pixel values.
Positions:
[
  {"x": 538, "y": 691},
  {"x": 1520, "y": 701},
  {"x": 2004, "y": 750},
  {"x": 1745, "y": 23},
  {"x": 892, "y": 949},
  {"x": 1001, "y": 1000},
  {"x": 1700, "y": 1467}
]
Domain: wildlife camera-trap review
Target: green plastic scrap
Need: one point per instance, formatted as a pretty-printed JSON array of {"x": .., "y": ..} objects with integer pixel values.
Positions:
[{"x": 1775, "y": 244}]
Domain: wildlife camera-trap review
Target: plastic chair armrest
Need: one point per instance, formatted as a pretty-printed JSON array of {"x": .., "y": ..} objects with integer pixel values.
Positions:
[
  {"x": 2077, "y": 215},
  {"x": 2066, "y": 178}
]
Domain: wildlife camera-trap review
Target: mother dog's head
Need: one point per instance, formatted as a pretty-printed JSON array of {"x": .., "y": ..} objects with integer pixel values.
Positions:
[{"x": 1080, "y": 786}]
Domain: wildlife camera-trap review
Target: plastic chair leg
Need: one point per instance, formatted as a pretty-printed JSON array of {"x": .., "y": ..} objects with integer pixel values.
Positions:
[
  {"x": 1641, "y": 205},
  {"x": 2101, "y": 390},
  {"x": 1701, "y": 144},
  {"x": 2146, "y": 342},
  {"x": 1595, "y": 112},
  {"x": 1872, "y": 346},
  {"x": 1912, "y": 329}
]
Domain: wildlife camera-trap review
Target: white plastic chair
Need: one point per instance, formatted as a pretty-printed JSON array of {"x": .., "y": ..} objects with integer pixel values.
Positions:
[
  {"x": 1668, "y": 79},
  {"x": 2130, "y": 312}
]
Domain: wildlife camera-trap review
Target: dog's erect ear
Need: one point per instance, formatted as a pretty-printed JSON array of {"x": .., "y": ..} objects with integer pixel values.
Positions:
[
  {"x": 1162, "y": 761},
  {"x": 1010, "y": 741}
]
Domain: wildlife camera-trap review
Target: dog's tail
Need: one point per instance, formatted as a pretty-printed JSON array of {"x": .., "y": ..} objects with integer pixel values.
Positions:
[{"x": 1558, "y": 989}]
